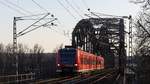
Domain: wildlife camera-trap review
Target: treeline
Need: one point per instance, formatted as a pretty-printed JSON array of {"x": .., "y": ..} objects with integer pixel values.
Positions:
[
  {"x": 30, "y": 60},
  {"x": 21, "y": 48}
]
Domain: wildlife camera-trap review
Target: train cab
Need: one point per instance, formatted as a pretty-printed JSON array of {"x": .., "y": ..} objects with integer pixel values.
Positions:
[{"x": 66, "y": 60}]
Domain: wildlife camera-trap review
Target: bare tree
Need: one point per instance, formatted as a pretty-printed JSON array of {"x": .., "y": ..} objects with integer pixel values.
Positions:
[
  {"x": 23, "y": 48},
  {"x": 37, "y": 49},
  {"x": 57, "y": 48},
  {"x": 1, "y": 48},
  {"x": 142, "y": 25},
  {"x": 9, "y": 48}
]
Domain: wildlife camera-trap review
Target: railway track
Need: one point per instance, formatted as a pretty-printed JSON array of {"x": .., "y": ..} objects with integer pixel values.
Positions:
[
  {"x": 50, "y": 80},
  {"x": 95, "y": 79},
  {"x": 82, "y": 79}
]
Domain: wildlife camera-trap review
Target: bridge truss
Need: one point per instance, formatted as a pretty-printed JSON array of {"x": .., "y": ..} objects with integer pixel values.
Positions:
[{"x": 102, "y": 36}]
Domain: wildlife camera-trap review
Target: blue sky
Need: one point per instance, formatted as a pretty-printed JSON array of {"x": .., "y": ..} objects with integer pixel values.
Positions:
[{"x": 48, "y": 38}]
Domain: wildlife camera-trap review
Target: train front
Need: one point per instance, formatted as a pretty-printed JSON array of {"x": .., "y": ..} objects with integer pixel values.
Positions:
[{"x": 66, "y": 60}]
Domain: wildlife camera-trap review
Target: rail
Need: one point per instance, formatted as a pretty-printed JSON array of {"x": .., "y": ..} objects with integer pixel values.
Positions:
[{"x": 82, "y": 79}]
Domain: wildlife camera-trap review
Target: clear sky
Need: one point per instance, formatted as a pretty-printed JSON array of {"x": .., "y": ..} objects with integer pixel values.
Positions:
[{"x": 48, "y": 38}]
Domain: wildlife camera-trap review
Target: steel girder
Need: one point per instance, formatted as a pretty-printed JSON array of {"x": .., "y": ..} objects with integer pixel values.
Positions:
[{"x": 102, "y": 36}]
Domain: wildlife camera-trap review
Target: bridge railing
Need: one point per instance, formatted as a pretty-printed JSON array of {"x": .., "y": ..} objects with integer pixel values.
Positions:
[{"x": 17, "y": 78}]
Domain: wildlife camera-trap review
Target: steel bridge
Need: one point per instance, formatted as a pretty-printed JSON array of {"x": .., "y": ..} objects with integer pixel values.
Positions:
[{"x": 106, "y": 37}]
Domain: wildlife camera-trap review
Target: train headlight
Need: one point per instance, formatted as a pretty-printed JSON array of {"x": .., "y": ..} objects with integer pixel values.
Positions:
[
  {"x": 75, "y": 64},
  {"x": 58, "y": 64}
]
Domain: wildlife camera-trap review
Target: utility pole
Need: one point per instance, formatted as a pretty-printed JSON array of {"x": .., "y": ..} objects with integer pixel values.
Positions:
[
  {"x": 130, "y": 36},
  {"x": 23, "y": 32},
  {"x": 15, "y": 46}
]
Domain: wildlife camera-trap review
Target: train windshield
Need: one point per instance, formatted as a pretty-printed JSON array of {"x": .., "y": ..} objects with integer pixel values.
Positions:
[{"x": 67, "y": 56}]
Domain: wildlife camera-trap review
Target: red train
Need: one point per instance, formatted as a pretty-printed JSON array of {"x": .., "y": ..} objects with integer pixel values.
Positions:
[{"x": 76, "y": 60}]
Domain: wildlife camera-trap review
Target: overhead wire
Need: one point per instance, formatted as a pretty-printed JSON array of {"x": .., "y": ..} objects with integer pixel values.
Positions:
[
  {"x": 36, "y": 27},
  {"x": 103, "y": 14},
  {"x": 14, "y": 9},
  {"x": 33, "y": 23},
  {"x": 69, "y": 12},
  {"x": 22, "y": 32},
  {"x": 85, "y": 4},
  {"x": 67, "y": 9},
  {"x": 74, "y": 8},
  {"x": 59, "y": 33},
  {"x": 17, "y": 6},
  {"x": 26, "y": 30},
  {"x": 44, "y": 10},
  {"x": 39, "y": 5},
  {"x": 31, "y": 14},
  {"x": 26, "y": 11},
  {"x": 75, "y": 4},
  {"x": 18, "y": 12}
]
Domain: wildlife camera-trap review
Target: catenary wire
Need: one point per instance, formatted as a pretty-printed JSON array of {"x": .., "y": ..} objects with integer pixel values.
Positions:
[
  {"x": 85, "y": 4},
  {"x": 43, "y": 9},
  {"x": 17, "y": 6},
  {"x": 14, "y": 9},
  {"x": 77, "y": 6},
  {"x": 74, "y": 8},
  {"x": 66, "y": 9},
  {"x": 39, "y": 5}
]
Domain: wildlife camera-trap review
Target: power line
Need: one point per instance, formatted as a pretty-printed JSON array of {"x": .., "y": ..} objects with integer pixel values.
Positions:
[
  {"x": 22, "y": 13},
  {"x": 28, "y": 11},
  {"x": 33, "y": 15},
  {"x": 44, "y": 10},
  {"x": 66, "y": 9},
  {"x": 39, "y": 5},
  {"x": 59, "y": 33},
  {"x": 74, "y": 8},
  {"x": 36, "y": 27},
  {"x": 14, "y": 9},
  {"x": 18, "y": 6},
  {"x": 75, "y": 4},
  {"x": 85, "y": 4},
  {"x": 33, "y": 23},
  {"x": 103, "y": 14}
]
